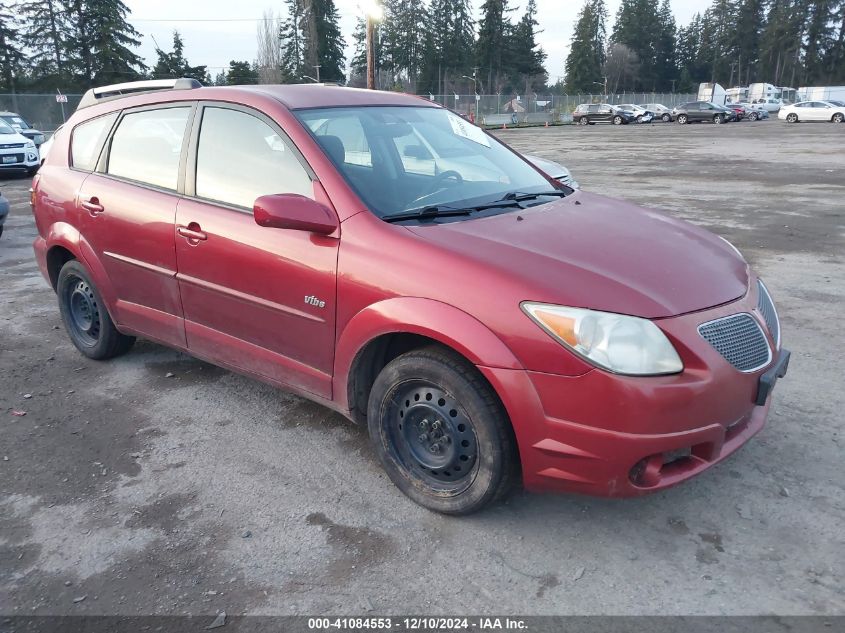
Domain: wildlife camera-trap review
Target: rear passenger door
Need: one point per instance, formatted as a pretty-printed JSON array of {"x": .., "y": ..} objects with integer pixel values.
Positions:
[
  {"x": 255, "y": 298},
  {"x": 127, "y": 210},
  {"x": 605, "y": 113}
]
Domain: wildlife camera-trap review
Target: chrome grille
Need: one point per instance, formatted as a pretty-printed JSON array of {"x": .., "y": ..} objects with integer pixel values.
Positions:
[
  {"x": 11, "y": 146},
  {"x": 766, "y": 307},
  {"x": 739, "y": 339}
]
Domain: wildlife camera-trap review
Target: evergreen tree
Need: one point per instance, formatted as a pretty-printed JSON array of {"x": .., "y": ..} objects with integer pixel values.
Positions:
[
  {"x": 666, "y": 68},
  {"x": 819, "y": 20},
  {"x": 323, "y": 44},
  {"x": 291, "y": 34},
  {"x": 11, "y": 57},
  {"x": 241, "y": 73},
  {"x": 448, "y": 46},
  {"x": 174, "y": 65},
  {"x": 587, "y": 53},
  {"x": 492, "y": 50},
  {"x": 100, "y": 42},
  {"x": 403, "y": 40},
  {"x": 528, "y": 57},
  {"x": 749, "y": 26},
  {"x": 638, "y": 27},
  {"x": 45, "y": 32}
]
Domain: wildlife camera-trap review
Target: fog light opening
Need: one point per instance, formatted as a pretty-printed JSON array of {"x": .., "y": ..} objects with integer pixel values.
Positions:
[{"x": 646, "y": 472}]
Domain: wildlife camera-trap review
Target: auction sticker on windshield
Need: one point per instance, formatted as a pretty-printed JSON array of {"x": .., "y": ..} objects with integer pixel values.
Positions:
[{"x": 468, "y": 130}]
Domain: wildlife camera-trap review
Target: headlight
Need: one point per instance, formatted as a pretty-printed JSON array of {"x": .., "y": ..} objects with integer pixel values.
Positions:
[
  {"x": 39, "y": 139},
  {"x": 622, "y": 344},
  {"x": 29, "y": 145}
]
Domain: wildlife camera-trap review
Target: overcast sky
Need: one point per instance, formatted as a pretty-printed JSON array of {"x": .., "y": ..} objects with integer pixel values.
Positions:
[{"x": 230, "y": 30}]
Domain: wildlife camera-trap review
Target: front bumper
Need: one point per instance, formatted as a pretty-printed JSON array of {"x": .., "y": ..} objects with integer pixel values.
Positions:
[
  {"x": 619, "y": 436},
  {"x": 26, "y": 159}
]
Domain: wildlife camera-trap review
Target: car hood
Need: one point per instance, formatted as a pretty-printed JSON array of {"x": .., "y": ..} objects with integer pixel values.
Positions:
[
  {"x": 595, "y": 252},
  {"x": 17, "y": 137}
]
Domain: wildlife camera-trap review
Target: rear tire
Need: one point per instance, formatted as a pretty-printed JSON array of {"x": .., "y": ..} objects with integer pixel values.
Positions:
[
  {"x": 752, "y": 116},
  {"x": 617, "y": 120},
  {"x": 792, "y": 118},
  {"x": 440, "y": 432},
  {"x": 838, "y": 117},
  {"x": 85, "y": 317},
  {"x": 666, "y": 118},
  {"x": 639, "y": 118}
]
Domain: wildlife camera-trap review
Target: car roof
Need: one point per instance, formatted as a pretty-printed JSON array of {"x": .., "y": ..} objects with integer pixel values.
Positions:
[{"x": 296, "y": 96}]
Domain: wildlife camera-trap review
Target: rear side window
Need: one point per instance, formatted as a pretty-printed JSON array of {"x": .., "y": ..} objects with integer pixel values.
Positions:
[
  {"x": 87, "y": 141},
  {"x": 147, "y": 145},
  {"x": 241, "y": 158}
]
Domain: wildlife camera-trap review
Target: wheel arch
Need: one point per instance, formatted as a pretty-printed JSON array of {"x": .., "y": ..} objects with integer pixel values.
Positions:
[{"x": 383, "y": 331}]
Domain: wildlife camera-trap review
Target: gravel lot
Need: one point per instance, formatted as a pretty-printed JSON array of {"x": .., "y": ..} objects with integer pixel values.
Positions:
[{"x": 155, "y": 483}]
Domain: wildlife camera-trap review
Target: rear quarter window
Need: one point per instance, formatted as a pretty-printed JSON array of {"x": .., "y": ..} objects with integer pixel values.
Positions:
[{"x": 87, "y": 141}]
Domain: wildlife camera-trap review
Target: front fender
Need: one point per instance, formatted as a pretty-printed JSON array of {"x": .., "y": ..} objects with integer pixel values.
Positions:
[{"x": 413, "y": 315}]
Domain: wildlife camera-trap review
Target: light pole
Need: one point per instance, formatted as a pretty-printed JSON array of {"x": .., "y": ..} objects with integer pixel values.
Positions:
[
  {"x": 374, "y": 12},
  {"x": 474, "y": 88},
  {"x": 604, "y": 85}
]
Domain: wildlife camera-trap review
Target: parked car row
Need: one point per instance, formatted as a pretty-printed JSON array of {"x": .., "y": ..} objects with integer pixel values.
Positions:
[{"x": 692, "y": 112}]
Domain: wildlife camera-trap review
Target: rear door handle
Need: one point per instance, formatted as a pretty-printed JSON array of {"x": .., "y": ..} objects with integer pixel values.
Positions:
[
  {"x": 93, "y": 206},
  {"x": 192, "y": 232}
]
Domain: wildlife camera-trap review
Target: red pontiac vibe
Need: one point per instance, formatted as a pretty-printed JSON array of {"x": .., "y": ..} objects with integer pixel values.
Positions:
[{"x": 378, "y": 254}]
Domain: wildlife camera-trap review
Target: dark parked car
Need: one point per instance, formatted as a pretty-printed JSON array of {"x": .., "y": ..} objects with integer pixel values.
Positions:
[
  {"x": 4, "y": 211},
  {"x": 22, "y": 127},
  {"x": 739, "y": 110},
  {"x": 592, "y": 113},
  {"x": 699, "y": 111},
  {"x": 487, "y": 324}
]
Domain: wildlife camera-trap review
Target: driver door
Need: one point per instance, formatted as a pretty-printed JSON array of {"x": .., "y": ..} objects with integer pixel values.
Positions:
[{"x": 254, "y": 298}]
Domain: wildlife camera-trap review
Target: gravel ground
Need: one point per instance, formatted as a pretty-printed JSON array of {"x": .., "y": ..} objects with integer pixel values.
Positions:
[{"x": 155, "y": 483}]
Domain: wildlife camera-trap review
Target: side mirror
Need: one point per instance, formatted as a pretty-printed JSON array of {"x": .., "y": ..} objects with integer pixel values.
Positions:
[{"x": 294, "y": 212}]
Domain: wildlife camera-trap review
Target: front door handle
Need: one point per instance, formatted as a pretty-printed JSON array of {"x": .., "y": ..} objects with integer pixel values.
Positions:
[
  {"x": 93, "y": 206},
  {"x": 192, "y": 233}
]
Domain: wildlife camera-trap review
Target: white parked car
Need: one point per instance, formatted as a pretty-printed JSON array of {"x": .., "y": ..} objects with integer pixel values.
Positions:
[
  {"x": 17, "y": 152},
  {"x": 770, "y": 104},
  {"x": 659, "y": 110},
  {"x": 812, "y": 111},
  {"x": 553, "y": 169},
  {"x": 641, "y": 115}
]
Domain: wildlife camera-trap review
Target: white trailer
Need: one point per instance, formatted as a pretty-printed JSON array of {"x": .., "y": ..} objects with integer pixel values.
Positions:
[
  {"x": 712, "y": 92},
  {"x": 821, "y": 93}
]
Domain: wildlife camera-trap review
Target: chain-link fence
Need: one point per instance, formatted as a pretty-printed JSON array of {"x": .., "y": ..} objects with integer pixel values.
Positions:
[
  {"x": 498, "y": 109},
  {"x": 45, "y": 113},
  {"x": 41, "y": 111}
]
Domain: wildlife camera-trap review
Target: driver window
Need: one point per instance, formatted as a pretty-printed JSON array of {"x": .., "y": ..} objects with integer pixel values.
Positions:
[{"x": 259, "y": 163}]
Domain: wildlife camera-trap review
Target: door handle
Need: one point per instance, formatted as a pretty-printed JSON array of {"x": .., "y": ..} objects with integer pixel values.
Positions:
[
  {"x": 93, "y": 206},
  {"x": 192, "y": 232}
]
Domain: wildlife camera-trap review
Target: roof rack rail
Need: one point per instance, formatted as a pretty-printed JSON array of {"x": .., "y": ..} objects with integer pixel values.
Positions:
[{"x": 115, "y": 91}]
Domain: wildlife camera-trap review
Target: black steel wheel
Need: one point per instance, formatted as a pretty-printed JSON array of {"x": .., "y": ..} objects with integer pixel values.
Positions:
[
  {"x": 85, "y": 317},
  {"x": 440, "y": 432}
]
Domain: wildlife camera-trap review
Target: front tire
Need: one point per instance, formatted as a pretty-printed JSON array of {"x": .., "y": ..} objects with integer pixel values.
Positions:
[
  {"x": 584, "y": 120},
  {"x": 718, "y": 119},
  {"x": 85, "y": 317},
  {"x": 752, "y": 116},
  {"x": 838, "y": 118},
  {"x": 617, "y": 120},
  {"x": 440, "y": 432},
  {"x": 666, "y": 118},
  {"x": 682, "y": 119},
  {"x": 792, "y": 118}
]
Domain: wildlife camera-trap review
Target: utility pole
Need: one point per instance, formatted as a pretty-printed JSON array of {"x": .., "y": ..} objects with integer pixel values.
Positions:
[
  {"x": 374, "y": 12},
  {"x": 371, "y": 54},
  {"x": 317, "y": 67}
]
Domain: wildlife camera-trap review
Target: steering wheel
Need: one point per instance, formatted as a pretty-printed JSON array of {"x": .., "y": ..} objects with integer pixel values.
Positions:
[{"x": 436, "y": 184}]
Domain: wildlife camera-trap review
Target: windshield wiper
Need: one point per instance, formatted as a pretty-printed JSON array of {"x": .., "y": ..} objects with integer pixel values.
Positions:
[
  {"x": 518, "y": 196},
  {"x": 426, "y": 213}
]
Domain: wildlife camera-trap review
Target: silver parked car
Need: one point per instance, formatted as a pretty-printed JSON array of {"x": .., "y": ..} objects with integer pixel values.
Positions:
[
  {"x": 553, "y": 169},
  {"x": 659, "y": 110}
]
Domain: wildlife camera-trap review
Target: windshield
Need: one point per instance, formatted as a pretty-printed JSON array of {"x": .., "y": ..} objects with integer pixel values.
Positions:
[
  {"x": 5, "y": 128},
  {"x": 16, "y": 122},
  {"x": 403, "y": 159}
]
